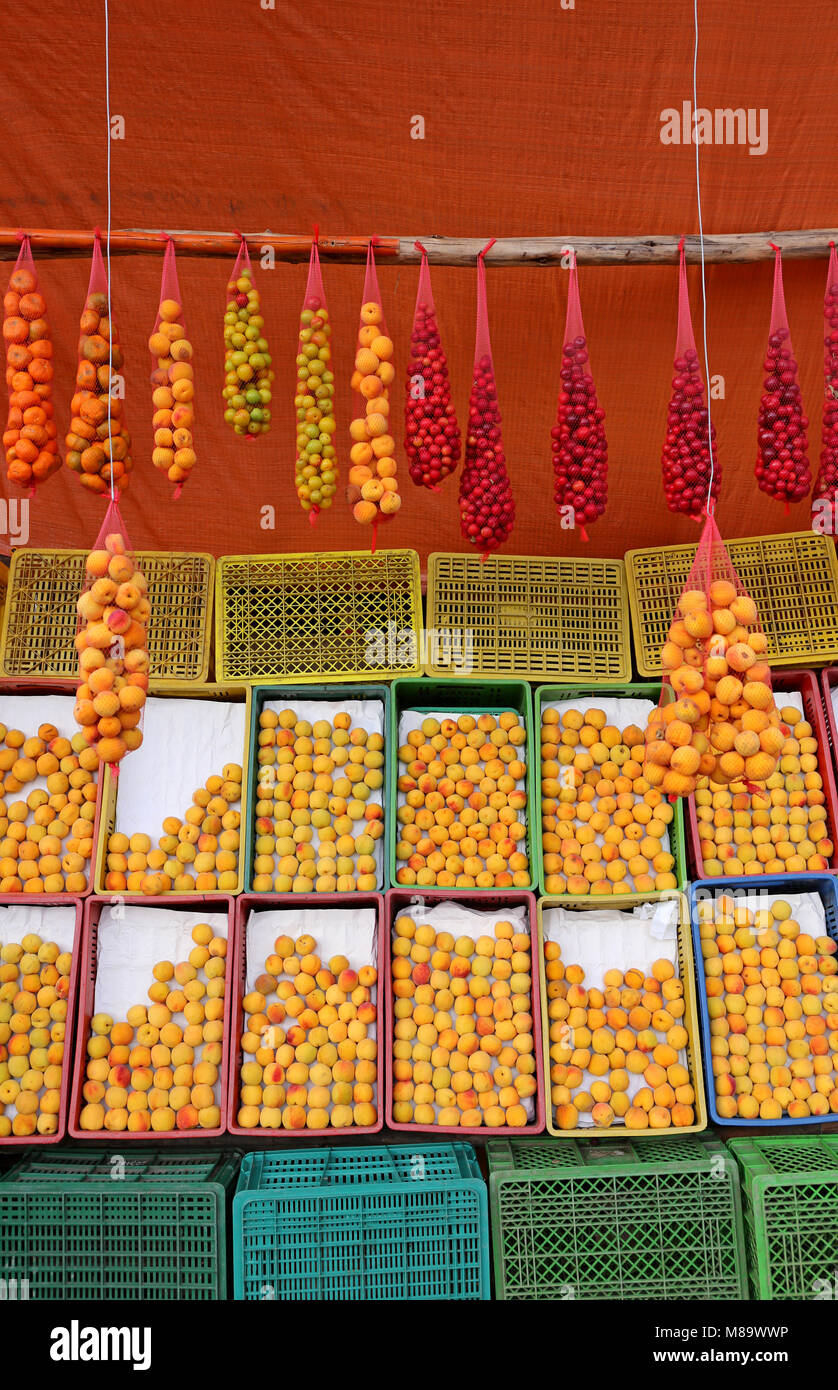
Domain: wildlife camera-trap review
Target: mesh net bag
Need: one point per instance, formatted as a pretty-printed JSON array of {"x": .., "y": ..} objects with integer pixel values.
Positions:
[
  {"x": 687, "y": 462},
  {"x": 373, "y": 489},
  {"x": 316, "y": 473},
  {"x": 431, "y": 434},
  {"x": 487, "y": 508},
  {"x": 782, "y": 468},
  {"x": 826, "y": 483},
  {"x": 172, "y": 381},
  {"x": 580, "y": 451},
  {"x": 112, "y": 643},
  {"x": 247, "y": 360},
  {"x": 98, "y": 443},
  {"x": 716, "y": 719},
  {"x": 31, "y": 437}
]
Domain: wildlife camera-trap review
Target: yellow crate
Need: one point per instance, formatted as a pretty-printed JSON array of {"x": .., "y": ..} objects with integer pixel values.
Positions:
[
  {"x": 341, "y": 616},
  {"x": 792, "y": 578},
  {"x": 534, "y": 617},
  {"x": 40, "y": 621},
  {"x": 4, "y": 586},
  {"x": 686, "y": 972},
  {"x": 110, "y": 785}
]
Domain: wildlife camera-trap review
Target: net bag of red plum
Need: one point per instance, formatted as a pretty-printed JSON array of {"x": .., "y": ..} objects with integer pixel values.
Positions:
[
  {"x": 112, "y": 643},
  {"x": 687, "y": 463},
  {"x": 172, "y": 382},
  {"x": 826, "y": 484},
  {"x": 31, "y": 436},
  {"x": 782, "y": 468},
  {"x": 487, "y": 508},
  {"x": 98, "y": 443},
  {"x": 431, "y": 436},
  {"x": 314, "y": 401},
  {"x": 373, "y": 490},
  {"x": 716, "y": 719},
  {"x": 247, "y": 361},
  {"x": 580, "y": 452}
]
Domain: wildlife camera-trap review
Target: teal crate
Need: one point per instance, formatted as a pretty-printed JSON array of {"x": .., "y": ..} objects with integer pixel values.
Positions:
[
  {"x": 790, "y": 1202},
  {"x": 464, "y": 696},
  {"x": 90, "y": 1224},
  {"x": 370, "y": 1223},
  {"x": 583, "y": 1219},
  {"x": 639, "y": 690},
  {"x": 337, "y": 694}
]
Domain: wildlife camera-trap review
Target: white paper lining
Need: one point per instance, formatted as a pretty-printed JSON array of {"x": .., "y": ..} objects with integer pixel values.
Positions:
[{"x": 56, "y": 924}]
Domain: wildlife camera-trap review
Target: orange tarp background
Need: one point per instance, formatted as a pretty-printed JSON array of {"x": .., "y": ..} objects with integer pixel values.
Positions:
[{"x": 538, "y": 121}]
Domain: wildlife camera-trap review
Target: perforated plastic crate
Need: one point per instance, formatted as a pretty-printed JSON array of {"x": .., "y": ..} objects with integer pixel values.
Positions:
[
  {"x": 790, "y": 1205},
  {"x": 653, "y": 1219},
  {"x": 95, "y": 1224},
  {"x": 792, "y": 578},
  {"x": 341, "y": 616},
  {"x": 371, "y": 1223},
  {"x": 536, "y": 617},
  {"x": 40, "y": 619}
]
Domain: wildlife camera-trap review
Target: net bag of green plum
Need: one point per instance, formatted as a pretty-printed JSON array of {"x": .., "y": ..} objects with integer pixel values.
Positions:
[
  {"x": 689, "y": 464},
  {"x": 580, "y": 451},
  {"x": 172, "y": 381},
  {"x": 826, "y": 485},
  {"x": 431, "y": 435},
  {"x": 247, "y": 361},
  {"x": 487, "y": 508},
  {"x": 782, "y": 468},
  {"x": 316, "y": 468}
]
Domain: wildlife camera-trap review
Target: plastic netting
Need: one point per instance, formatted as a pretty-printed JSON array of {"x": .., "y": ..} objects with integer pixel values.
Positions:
[
  {"x": 112, "y": 643},
  {"x": 247, "y": 360},
  {"x": 373, "y": 489},
  {"x": 172, "y": 381},
  {"x": 431, "y": 433},
  {"x": 782, "y": 468},
  {"x": 826, "y": 484},
  {"x": 690, "y": 463},
  {"x": 316, "y": 472},
  {"x": 487, "y": 507},
  {"x": 580, "y": 451},
  {"x": 31, "y": 437},
  {"x": 98, "y": 442}
]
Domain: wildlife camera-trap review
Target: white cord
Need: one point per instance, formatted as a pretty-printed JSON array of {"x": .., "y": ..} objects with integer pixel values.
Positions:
[
  {"x": 701, "y": 239},
  {"x": 108, "y": 246}
]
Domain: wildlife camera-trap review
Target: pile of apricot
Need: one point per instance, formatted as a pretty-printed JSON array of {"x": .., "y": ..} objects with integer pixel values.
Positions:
[
  {"x": 113, "y": 651},
  {"x": 30, "y": 438},
  {"x": 173, "y": 391},
  {"x": 34, "y": 989},
  {"x": 98, "y": 443},
  {"x": 46, "y": 840},
  {"x": 373, "y": 488}
]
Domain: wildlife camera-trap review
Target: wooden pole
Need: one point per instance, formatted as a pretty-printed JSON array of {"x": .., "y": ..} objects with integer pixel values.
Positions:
[{"x": 732, "y": 248}]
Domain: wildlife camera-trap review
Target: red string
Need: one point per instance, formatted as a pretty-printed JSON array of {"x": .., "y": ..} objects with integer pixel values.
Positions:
[
  {"x": 97, "y": 233},
  {"x": 487, "y": 247},
  {"x": 313, "y": 515},
  {"x": 374, "y": 536},
  {"x": 178, "y": 491},
  {"x": 374, "y": 240},
  {"x": 20, "y": 235},
  {"x": 166, "y": 236},
  {"x": 681, "y": 243},
  {"x": 417, "y": 246},
  {"x": 583, "y": 533},
  {"x": 316, "y": 233},
  {"x": 773, "y": 246}
]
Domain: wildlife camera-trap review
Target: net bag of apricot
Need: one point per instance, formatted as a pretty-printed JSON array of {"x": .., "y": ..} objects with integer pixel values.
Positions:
[
  {"x": 316, "y": 469},
  {"x": 431, "y": 433},
  {"x": 31, "y": 437},
  {"x": 112, "y": 644},
  {"x": 98, "y": 443},
  {"x": 248, "y": 374},
  {"x": 373, "y": 488},
  {"x": 172, "y": 382},
  {"x": 487, "y": 508},
  {"x": 716, "y": 720},
  {"x": 580, "y": 451},
  {"x": 826, "y": 485},
  {"x": 689, "y": 463},
  {"x": 782, "y": 468}
]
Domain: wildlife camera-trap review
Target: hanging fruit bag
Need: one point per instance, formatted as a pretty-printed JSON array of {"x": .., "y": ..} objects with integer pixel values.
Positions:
[
  {"x": 826, "y": 485},
  {"x": 431, "y": 433},
  {"x": 782, "y": 469},
  {"x": 487, "y": 508},
  {"x": 247, "y": 361},
  {"x": 689, "y": 463},
  {"x": 580, "y": 451},
  {"x": 31, "y": 436},
  {"x": 316, "y": 471},
  {"x": 98, "y": 443},
  {"x": 172, "y": 382},
  {"x": 373, "y": 489}
]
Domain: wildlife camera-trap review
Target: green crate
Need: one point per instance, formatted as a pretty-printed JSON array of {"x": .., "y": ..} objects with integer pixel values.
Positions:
[
  {"x": 639, "y": 690},
  {"x": 337, "y": 694},
  {"x": 790, "y": 1202},
  {"x": 654, "y": 1219},
  {"x": 372, "y": 1223},
  {"x": 98, "y": 1225},
  {"x": 464, "y": 697}
]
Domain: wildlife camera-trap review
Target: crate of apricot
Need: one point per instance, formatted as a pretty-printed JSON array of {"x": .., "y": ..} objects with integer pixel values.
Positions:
[
  {"x": 40, "y": 946},
  {"x": 305, "y": 1018},
  {"x": 462, "y": 785},
  {"x": 603, "y": 830},
  {"x": 317, "y": 779},
  {"x": 464, "y": 1024},
  {"x": 153, "y": 1019},
  {"x": 172, "y": 819},
  {"x": 620, "y": 1020},
  {"x": 767, "y": 955}
]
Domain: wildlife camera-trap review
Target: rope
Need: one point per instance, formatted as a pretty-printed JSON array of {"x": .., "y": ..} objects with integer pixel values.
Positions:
[{"x": 108, "y": 244}]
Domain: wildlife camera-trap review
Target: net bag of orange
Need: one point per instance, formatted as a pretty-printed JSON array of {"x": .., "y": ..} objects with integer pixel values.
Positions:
[
  {"x": 98, "y": 443},
  {"x": 31, "y": 437},
  {"x": 373, "y": 489},
  {"x": 112, "y": 643},
  {"x": 247, "y": 360},
  {"x": 172, "y": 382},
  {"x": 716, "y": 719},
  {"x": 316, "y": 470}
]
